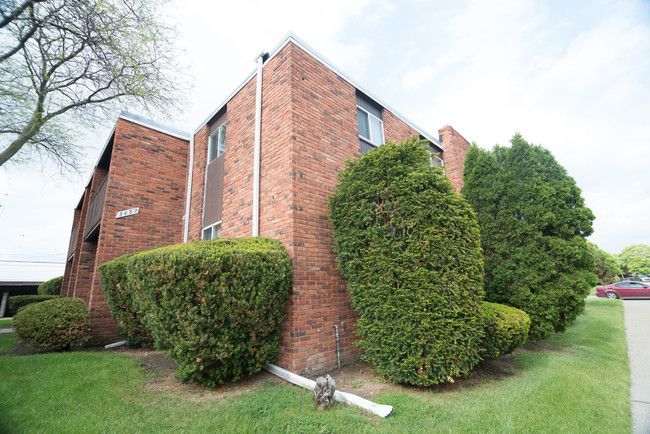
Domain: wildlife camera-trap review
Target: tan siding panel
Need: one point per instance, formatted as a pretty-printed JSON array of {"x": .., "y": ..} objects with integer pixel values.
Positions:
[{"x": 213, "y": 192}]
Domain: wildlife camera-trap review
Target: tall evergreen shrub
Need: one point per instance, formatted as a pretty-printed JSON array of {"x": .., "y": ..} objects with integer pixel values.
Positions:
[
  {"x": 410, "y": 249},
  {"x": 533, "y": 226}
]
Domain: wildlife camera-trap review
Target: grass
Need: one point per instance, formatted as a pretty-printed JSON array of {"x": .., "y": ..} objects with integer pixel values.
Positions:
[
  {"x": 5, "y": 323},
  {"x": 7, "y": 342},
  {"x": 579, "y": 382}
]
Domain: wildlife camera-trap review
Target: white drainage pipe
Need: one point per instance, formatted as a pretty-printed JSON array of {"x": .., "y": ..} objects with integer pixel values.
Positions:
[
  {"x": 116, "y": 344},
  {"x": 189, "y": 192},
  {"x": 348, "y": 398},
  {"x": 257, "y": 151}
]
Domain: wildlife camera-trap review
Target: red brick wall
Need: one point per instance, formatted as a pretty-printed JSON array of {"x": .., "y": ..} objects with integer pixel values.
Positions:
[
  {"x": 148, "y": 170},
  {"x": 238, "y": 168},
  {"x": 396, "y": 130},
  {"x": 325, "y": 133},
  {"x": 456, "y": 148}
]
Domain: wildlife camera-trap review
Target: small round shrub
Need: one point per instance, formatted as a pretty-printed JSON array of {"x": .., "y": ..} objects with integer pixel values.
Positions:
[
  {"x": 506, "y": 329},
  {"x": 410, "y": 249},
  {"x": 18, "y": 301},
  {"x": 216, "y": 306},
  {"x": 56, "y": 323},
  {"x": 51, "y": 287},
  {"x": 118, "y": 294}
]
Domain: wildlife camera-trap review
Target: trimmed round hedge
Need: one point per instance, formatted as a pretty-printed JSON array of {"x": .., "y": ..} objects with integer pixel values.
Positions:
[
  {"x": 506, "y": 329},
  {"x": 51, "y": 287},
  {"x": 17, "y": 302},
  {"x": 53, "y": 324},
  {"x": 216, "y": 306},
  {"x": 119, "y": 297},
  {"x": 410, "y": 249}
]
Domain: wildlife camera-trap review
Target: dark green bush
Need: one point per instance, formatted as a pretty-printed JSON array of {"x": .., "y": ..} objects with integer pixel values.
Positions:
[
  {"x": 215, "y": 305},
  {"x": 18, "y": 301},
  {"x": 51, "y": 287},
  {"x": 120, "y": 301},
  {"x": 506, "y": 329},
  {"x": 410, "y": 248},
  {"x": 533, "y": 223},
  {"x": 56, "y": 323}
]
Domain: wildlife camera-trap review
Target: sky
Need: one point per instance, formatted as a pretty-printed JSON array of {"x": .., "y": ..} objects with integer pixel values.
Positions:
[{"x": 573, "y": 77}]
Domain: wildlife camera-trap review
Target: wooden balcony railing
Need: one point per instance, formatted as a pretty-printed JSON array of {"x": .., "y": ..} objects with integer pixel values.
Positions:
[
  {"x": 95, "y": 209},
  {"x": 73, "y": 241}
]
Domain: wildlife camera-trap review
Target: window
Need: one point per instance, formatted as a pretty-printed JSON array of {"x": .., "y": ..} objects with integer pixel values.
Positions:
[
  {"x": 371, "y": 128},
  {"x": 436, "y": 160},
  {"x": 217, "y": 144},
  {"x": 370, "y": 117},
  {"x": 212, "y": 232}
]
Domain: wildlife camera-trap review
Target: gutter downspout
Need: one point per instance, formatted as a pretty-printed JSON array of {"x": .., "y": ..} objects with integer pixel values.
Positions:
[
  {"x": 380, "y": 410},
  {"x": 189, "y": 191},
  {"x": 258, "y": 134}
]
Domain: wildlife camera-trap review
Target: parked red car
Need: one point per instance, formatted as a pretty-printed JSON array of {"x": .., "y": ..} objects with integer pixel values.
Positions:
[{"x": 624, "y": 290}]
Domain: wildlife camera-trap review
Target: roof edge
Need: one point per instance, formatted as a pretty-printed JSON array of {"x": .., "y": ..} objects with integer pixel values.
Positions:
[
  {"x": 165, "y": 129},
  {"x": 291, "y": 37}
]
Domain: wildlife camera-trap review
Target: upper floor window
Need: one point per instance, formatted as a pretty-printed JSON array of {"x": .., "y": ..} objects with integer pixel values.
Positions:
[
  {"x": 371, "y": 128},
  {"x": 436, "y": 160},
  {"x": 217, "y": 144},
  {"x": 371, "y": 123}
]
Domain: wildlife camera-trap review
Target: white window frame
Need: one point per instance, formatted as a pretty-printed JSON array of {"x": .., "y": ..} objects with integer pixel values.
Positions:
[
  {"x": 214, "y": 142},
  {"x": 371, "y": 140},
  {"x": 437, "y": 157},
  {"x": 214, "y": 231}
]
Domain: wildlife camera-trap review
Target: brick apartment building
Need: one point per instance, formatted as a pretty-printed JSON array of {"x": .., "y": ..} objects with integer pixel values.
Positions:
[
  {"x": 263, "y": 163},
  {"x": 143, "y": 166}
]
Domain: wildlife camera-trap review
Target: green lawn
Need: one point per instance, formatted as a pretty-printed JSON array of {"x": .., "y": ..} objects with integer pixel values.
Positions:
[
  {"x": 577, "y": 382},
  {"x": 7, "y": 342},
  {"x": 5, "y": 323}
]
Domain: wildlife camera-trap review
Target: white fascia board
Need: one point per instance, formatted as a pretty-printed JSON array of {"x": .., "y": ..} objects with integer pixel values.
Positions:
[
  {"x": 225, "y": 101},
  {"x": 304, "y": 46},
  {"x": 165, "y": 129},
  {"x": 291, "y": 37}
]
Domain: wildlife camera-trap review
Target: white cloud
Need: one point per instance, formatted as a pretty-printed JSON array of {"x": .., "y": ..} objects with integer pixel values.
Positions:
[
  {"x": 415, "y": 78},
  {"x": 577, "y": 85}
]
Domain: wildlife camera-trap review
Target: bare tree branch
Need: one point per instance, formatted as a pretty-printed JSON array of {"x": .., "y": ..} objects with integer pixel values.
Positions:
[
  {"x": 16, "y": 12},
  {"x": 27, "y": 25},
  {"x": 79, "y": 60}
]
